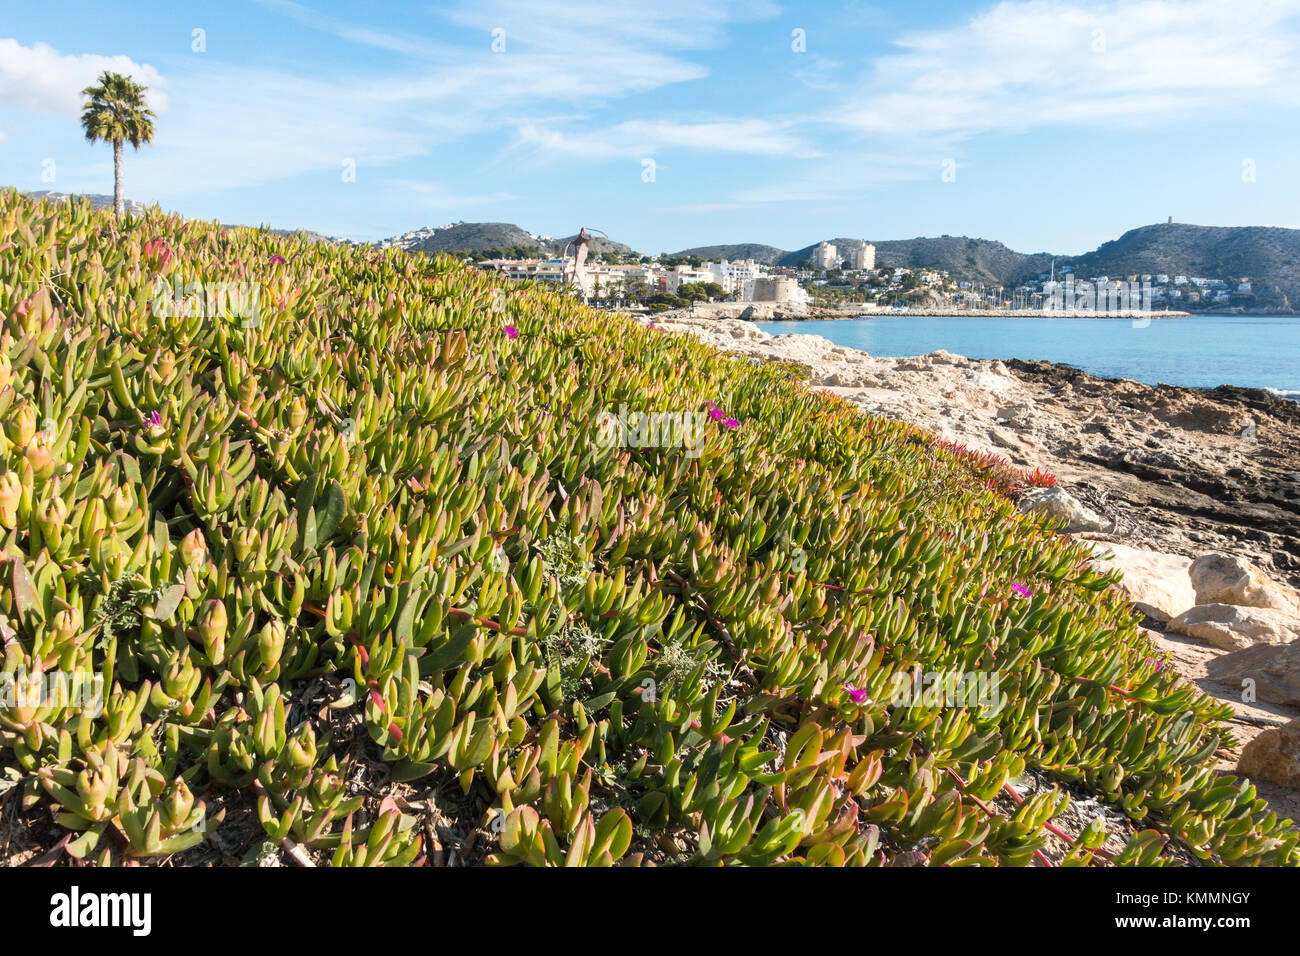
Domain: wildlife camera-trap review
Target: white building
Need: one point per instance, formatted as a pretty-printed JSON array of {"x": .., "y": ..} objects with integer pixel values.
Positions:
[
  {"x": 862, "y": 256},
  {"x": 679, "y": 275},
  {"x": 732, "y": 275},
  {"x": 826, "y": 256}
]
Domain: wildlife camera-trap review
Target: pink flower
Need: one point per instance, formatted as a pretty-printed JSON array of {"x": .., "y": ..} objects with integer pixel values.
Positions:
[
  {"x": 715, "y": 413},
  {"x": 731, "y": 423},
  {"x": 153, "y": 419},
  {"x": 1159, "y": 664},
  {"x": 1023, "y": 590},
  {"x": 511, "y": 331},
  {"x": 859, "y": 694},
  {"x": 277, "y": 259}
]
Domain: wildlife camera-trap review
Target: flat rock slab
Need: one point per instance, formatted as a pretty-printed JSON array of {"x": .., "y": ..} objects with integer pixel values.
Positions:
[
  {"x": 1274, "y": 755},
  {"x": 1231, "y": 579},
  {"x": 1157, "y": 584},
  {"x": 1232, "y": 627},
  {"x": 1271, "y": 671}
]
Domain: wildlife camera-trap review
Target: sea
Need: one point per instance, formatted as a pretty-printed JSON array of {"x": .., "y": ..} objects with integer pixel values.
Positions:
[{"x": 1200, "y": 351}]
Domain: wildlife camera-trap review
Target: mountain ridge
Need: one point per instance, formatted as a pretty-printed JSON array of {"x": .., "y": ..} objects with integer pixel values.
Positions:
[{"x": 1268, "y": 255}]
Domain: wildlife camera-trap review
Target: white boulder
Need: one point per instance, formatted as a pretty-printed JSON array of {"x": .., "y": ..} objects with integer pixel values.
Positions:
[
  {"x": 1156, "y": 583},
  {"x": 1059, "y": 503},
  {"x": 1233, "y": 627},
  {"x": 1230, "y": 579}
]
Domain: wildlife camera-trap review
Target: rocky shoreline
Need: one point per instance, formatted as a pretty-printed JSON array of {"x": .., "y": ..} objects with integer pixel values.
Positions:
[{"x": 1193, "y": 494}]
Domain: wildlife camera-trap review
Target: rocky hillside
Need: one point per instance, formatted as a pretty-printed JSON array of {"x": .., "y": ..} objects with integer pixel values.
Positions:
[
  {"x": 597, "y": 246},
  {"x": 1269, "y": 256},
  {"x": 736, "y": 250},
  {"x": 466, "y": 237},
  {"x": 975, "y": 260},
  {"x": 97, "y": 200}
]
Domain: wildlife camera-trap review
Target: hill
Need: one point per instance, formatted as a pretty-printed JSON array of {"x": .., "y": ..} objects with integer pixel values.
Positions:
[
  {"x": 389, "y": 539},
  {"x": 596, "y": 246},
  {"x": 466, "y": 237},
  {"x": 975, "y": 260},
  {"x": 740, "y": 250},
  {"x": 1269, "y": 256},
  {"x": 98, "y": 201},
  {"x": 978, "y": 260}
]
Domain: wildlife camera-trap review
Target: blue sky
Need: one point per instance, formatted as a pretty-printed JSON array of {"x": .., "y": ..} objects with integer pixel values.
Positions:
[{"x": 1059, "y": 124}]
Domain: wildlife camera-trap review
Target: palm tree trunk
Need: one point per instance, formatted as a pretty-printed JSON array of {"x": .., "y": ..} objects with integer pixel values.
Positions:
[{"x": 119, "y": 202}]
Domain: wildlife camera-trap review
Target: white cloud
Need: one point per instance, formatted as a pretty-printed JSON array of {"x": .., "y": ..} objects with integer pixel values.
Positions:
[
  {"x": 583, "y": 29},
  {"x": 438, "y": 196},
  {"x": 39, "y": 79},
  {"x": 236, "y": 126},
  {"x": 818, "y": 72},
  {"x": 635, "y": 139},
  {"x": 839, "y": 178},
  {"x": 1021, "y": 65}
]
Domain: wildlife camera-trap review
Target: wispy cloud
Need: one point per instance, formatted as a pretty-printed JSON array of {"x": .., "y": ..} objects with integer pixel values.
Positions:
[
  {"x": 634, "y": 139},
  {"x": 1023, "y": 65},
  {"x": 819, "y": 72},
  {"x": 431, "y": 195},
  {"x": 839, "y": 178}
]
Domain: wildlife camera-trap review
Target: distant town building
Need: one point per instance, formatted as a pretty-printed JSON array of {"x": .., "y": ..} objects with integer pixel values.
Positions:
[
  {"x": 826, "y": 256},
  {"x": 862, "y": 256},
  {"x": 732, "y": 275},
  {"x": 679, "y": 275},
  {"x": 775, "y": 289}
]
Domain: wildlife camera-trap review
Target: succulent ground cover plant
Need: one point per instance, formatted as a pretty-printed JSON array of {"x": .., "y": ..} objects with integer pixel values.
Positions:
[{"x": 391, "y": 480}]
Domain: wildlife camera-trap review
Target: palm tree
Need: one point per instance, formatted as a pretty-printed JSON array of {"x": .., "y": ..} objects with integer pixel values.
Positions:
[{"x": 115, "y": 113}]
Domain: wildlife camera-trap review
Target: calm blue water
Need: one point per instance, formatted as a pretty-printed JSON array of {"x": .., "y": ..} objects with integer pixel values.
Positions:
[{"x": 1199, "y": 351}]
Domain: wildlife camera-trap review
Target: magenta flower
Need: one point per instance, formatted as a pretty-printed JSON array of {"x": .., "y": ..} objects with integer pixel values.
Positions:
[
  {"x": 1159, "y": 664},
  {"x": 153, "y": 419},
  {"x": 859, "y": 694},
  {"x": 511, "y": 331},
  {"x": 277, "y": 259},
  {"x": 715, "y": 413},
  {"x": 1023, "y": 590},
  {"x": 731, "y": 423}
]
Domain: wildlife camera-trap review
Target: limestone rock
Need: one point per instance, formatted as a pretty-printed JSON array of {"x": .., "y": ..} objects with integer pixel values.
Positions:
[
  {"x": 1232, "y": 627},
  {"x": 1059, "y": 503},
  {"x": 1230, "y": 579},
  {"x": 1272, "y": 669},
  {"x": 1156, "y": 583},
  {"x": 1274, "y": 755}
]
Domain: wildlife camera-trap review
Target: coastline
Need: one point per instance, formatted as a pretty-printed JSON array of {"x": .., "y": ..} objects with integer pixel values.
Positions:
[
  {"x": 793, "y": 312},
  {"x": 1173, "y": 455},
  {"x": 1156, "y": 478},
  {"x": 927, "y": 313}
]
